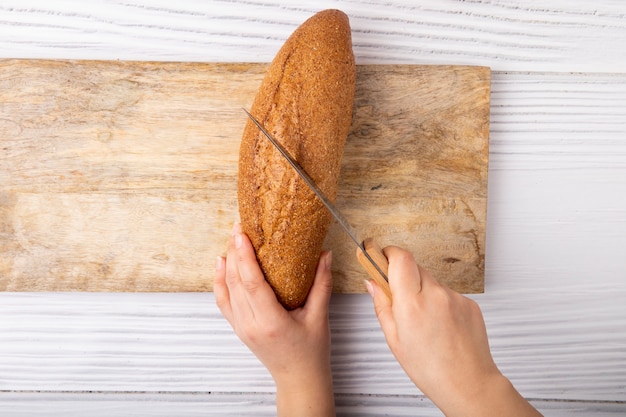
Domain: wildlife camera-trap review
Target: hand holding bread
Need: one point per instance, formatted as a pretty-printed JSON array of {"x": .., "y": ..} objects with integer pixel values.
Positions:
[{"x": 293, "y": 345}]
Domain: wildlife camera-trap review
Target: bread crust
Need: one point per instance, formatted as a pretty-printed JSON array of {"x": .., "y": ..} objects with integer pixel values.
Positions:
[{"x": 305, "y": 101}]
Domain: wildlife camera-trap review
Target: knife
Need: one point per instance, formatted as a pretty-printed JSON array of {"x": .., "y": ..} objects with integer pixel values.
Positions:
[{"x": 369, "y": 253}]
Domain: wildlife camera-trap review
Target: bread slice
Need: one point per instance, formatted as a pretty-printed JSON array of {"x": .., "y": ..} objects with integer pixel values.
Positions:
[{"x": 305, "y": 101}]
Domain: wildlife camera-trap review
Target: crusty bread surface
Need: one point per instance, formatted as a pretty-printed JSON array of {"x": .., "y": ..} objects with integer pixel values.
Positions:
[{"x": 305, "y": 101}]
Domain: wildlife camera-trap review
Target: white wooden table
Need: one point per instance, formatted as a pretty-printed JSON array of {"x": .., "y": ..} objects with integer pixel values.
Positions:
[{"x": 555, "y": 301}]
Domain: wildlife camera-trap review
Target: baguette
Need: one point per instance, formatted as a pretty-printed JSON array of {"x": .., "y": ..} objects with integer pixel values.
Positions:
[{"x": 305, "y": 101}]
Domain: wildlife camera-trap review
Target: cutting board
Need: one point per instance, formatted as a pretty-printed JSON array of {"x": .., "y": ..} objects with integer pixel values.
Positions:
[{"x": 121, "y": 176}]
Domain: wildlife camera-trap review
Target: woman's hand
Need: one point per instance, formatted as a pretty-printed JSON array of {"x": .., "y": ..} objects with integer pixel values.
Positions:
[
  {"x": 439, "y": 338},
  {"x": 293, "y": 345}
]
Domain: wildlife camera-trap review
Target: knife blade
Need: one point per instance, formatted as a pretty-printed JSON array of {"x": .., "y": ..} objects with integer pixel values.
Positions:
[{"x": 369, "y": 253}]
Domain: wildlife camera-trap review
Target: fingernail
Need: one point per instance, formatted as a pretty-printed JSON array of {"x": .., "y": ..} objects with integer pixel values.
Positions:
[
  {"x": 329, "y": 260},
  {"x": 219, "y": 263},
  {"x": 236, "y": 228},
  {"x": 238, "y": 240},
  {"x": 370, "y": 287}
]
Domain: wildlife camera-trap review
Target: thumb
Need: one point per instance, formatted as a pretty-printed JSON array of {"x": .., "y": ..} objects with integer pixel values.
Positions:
[{"x": 382, "y": 307}]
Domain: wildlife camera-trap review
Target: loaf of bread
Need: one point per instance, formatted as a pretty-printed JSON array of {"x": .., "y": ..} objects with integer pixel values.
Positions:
[{"x": 305, "y": 101}]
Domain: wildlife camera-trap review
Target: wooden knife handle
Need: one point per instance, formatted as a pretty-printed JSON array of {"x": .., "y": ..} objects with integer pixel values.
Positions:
[{"x": 376, "y": 253}]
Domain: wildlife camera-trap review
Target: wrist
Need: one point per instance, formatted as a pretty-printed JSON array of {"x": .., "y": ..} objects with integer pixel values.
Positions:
[{"x": 305, "y": 394}]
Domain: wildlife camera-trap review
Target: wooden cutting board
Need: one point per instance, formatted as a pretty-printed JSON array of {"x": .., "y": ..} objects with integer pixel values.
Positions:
[{"x": 121, "y": 176}]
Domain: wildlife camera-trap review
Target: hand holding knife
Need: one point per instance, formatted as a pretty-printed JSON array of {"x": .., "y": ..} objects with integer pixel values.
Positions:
[{"x": 369, "y": 253}]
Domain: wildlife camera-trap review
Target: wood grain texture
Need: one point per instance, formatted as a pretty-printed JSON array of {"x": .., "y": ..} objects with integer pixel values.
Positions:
[{"x": 121, "y": 176}]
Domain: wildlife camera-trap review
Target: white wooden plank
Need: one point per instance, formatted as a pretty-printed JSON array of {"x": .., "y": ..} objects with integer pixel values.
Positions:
[
  {"x": 22, "y": 404},
  {"x": 106, "y": 404},
  {"x": 553, "y": 121},
  {"x": 550, "y": 230},
  {"x": 556, "y": 214},
  {"x": 570, "y": 345},
  {"x": 17, "y": 404},
  {"x": 556, "y": 35}
]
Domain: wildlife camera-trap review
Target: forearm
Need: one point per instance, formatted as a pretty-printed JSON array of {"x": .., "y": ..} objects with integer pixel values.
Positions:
[
  {"x": 496, "y": 397},
  {"x": 306, "y": 396}
]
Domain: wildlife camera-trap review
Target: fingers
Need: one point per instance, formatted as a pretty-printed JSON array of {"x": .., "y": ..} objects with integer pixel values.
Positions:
[
  {"x": 319, "y": 295},
  {"x": 234, "y": 282},
  {"x": 220, "y": 289},
  {"x": 241, "y": 292},
  {"x": 405, "y": 279},
  {"x": 382, "y": 308},
  {"x": 258, "y": 293}
]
